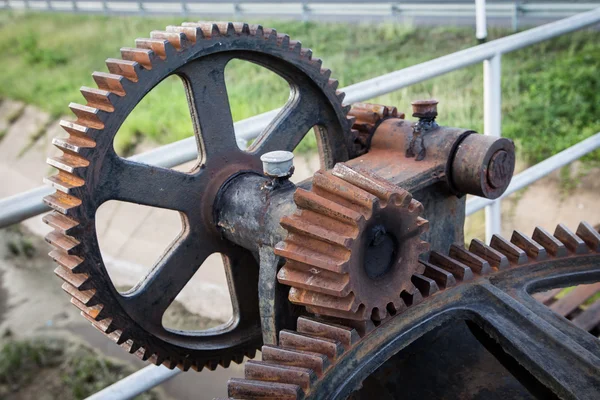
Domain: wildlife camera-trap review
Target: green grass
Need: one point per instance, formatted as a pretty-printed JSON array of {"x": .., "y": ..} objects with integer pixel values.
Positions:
[
  {"x": 551, "y": 91},
  {"x": 68, "y": 370}
]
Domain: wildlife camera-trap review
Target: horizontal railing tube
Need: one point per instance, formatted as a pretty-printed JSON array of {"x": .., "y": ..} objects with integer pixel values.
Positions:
[{"x": 540, "y": 170}]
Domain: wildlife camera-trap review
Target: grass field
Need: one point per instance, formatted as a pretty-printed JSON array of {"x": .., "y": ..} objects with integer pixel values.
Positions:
[{"x": 551, "y": 91}]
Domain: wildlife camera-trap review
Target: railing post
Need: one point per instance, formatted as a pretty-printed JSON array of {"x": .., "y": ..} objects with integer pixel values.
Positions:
[
  {"x": 492, "y": 125},
  {"x": 480, "y": 21},
  {"x": 515, "y": 17}
]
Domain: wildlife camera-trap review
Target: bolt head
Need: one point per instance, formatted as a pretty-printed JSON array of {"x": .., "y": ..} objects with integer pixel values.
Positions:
[
  {"x": 278, "y": 164},
  {"x": 425, "y": 108}
]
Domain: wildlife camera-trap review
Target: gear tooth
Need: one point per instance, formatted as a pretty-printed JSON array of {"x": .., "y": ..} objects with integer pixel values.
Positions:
[
  {"x": 343, "y": 334},
  {"x": 159, "y": 46},
  {"x": 589, "y": 235},
  {"x": 71, "y": 262},
  {"x": 125, "y": 68},
  {"x": 243, "y": 28},
  {"x": 425, "y": 285},
  {"x": 60, "y": 222},
  {"x": 340, "y": 96},
  {"x": 225, "y": 362},
  {"x": 74, "y": 144},
  {"x": 76, "y": 130},
  {"x": 333, "y": 84},
  {"x": 295, "y": 47},
  {"x": 85, "y": 297},
  {"x": 157, "y": 359},
  {"x": 416, "y": 207},
  {"x": 335, "y": 261},
  {"x": 105, "y": 326},
  {"x": 314, "y": 279},
  {"x": 316, "y": 62},
  {"x": 64, "y": 182},
  {"x": 62, "y": 242},
  {"x": 177, "y": 39},
  {"x": 131, "y": 346},
  {"x": 88, "y": 116},
  {"x": 110, "y": 82},
  {"x": 443, "y": 278},
  {"x": 311, "y": 201},
  {"x": 296, "y": 358},
  {"x": 283, "y": 40},
  {"x": 78, "y": 281},
  {"x": 529, "y": 246},
  {"x": 305, "y": 342},
  {"x": 456, "y": 268},
  {"x": 272, "y": 372},
  {"x": 571, "y": 241},
  {"x": 477, "y": 264},
  {"x": 326, "y": 73},
  {"x": 98, "y": 98},
  {"x": 256, "y": 30},
  {"x": 62, "y": 202},
  {"x": 423, "y": 225},
  {"x": 514, "y": 254},
  {"x": 95, "y": 311},
  {"x": 169, "y": 363},
  {"x": 552, "y": 245},
  {"x": 211, "y": 364},
  {"x": 306, "y": 53},
  {"x": 253, "y": 389},
  {"x": 198, "y": 366},
  {"x": 494, "y": 257},
  {"x": 300, "y": 226},
  {"x": 411, "y": 297},
  {"x": 422, "y": 246},
  {"x": 229, "y": 29},
  {"x": 379, "y": 314},
  {"x": 68, "y": 162},
  {"x": 192, "y": 32},
  {"x": 315, "y": 299},
  {"x": 143, "y": 57},
  {"x": 338, "y": 187},
  {"x": 185, "y": 365},
  {"x": 251, "y": 353},
  {"x": 359, "y": 316}
]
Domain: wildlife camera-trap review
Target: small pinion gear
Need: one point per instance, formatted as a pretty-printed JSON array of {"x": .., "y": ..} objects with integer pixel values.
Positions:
[{"x": 352, "y": 245}]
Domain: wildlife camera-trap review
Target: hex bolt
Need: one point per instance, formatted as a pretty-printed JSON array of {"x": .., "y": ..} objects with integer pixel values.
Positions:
[
  {"x": 425, "y": 109},
  {"x": 278, "y": 164}
]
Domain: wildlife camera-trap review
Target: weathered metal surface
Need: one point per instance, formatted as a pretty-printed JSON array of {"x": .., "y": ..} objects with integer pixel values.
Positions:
[
  {"x": 548, "y": 355},
  {"x": 352, "y": 245},
  {"x": 91, "y": 173}
]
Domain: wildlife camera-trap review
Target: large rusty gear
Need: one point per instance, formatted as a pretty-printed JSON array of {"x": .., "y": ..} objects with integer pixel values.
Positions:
[
  {"x": 324, "y": 359},
  {"x": 91, "y": 173},
  {"x": 352, "y": 245}
]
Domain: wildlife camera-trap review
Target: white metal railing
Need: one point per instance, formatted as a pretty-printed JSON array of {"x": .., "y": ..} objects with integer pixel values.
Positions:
[
  {"x": 16, "y": 208},
  {"x": 308, "y": 9}
]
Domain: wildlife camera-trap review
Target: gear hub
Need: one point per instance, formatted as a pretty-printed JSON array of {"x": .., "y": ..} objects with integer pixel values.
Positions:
[{"x": 352, "y": 245}]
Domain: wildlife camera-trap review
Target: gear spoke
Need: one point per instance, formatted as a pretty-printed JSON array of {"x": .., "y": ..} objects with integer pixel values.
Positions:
[
  {"x": 554, "y": 358},
  {"x": 290, "y": 126},
  {"x": 204, "y": 83},
  {"x": 149, "y": 185},
  {"x": 153, "y": 295}
]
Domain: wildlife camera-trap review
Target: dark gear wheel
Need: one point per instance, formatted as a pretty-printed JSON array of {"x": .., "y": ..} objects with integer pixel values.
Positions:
[
  {"x": 91, "y": 173},
  {"x": 489, "y": 286},
  {"x": 352, "y": 245}
]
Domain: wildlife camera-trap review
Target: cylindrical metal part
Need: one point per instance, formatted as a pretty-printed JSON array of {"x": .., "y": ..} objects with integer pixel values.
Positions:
[
  {"x": 483, "y": 165},
  {"x": 278, "y": 164},
  {"x": 425, "y": 108},
  {"x": 249, "y": 209}
]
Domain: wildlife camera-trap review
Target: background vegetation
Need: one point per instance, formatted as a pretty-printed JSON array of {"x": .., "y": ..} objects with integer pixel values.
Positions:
[{"x": 551, "y": 91}]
